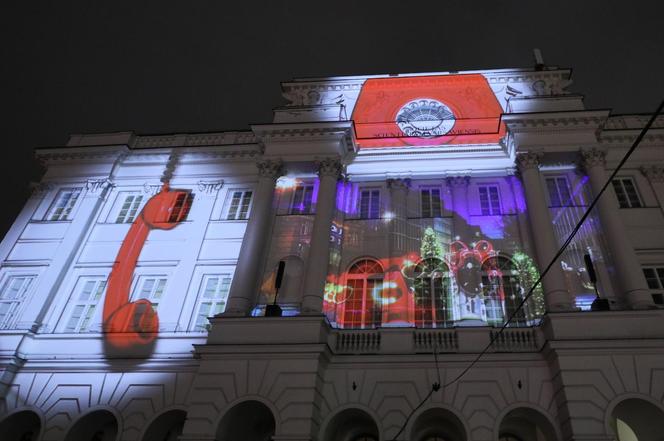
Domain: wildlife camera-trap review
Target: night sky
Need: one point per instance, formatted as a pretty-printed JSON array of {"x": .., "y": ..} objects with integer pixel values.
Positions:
[{"x": 187, "y": 66}]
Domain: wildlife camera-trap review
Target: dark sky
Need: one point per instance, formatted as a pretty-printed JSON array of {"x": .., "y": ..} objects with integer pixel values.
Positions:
[{"x": 170, "y": 66}]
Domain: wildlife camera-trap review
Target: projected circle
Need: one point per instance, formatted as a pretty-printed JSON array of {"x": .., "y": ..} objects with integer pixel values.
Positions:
[{"x": 425, "y": 118}]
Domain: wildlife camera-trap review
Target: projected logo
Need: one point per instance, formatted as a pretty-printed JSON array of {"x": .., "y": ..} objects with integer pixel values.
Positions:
[
  {"x": 128, "y": 323},
  {"x": 425, "y": 118},
  {"x": 427, "y": 111}
]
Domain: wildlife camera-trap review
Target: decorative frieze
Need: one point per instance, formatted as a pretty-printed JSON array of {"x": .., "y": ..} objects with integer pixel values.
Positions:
[
  {"x": 94, "y": 186},
  {"x": 654, "y": 173},
  {"x": 210, "y": 187}
]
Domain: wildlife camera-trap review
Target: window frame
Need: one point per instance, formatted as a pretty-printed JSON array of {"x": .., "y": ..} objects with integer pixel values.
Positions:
[
  {"x": 368, "y": 319},
  {"x": 629, "y": 203},
  {"x": 307, "y": 197},
  {"x": 374, "y": 196},
  {"x": 430, "y": 208},
  {"x": 434, "y": 307},
  {"x": 18, "y": 303},
  {"x": 118, "y": 207},
  {"x": 203, "y": 325},
  {"x": 556, "y": 181},
  {"x": 68, "y": 209},
  {"x": 94, "y": 323},
  {"x": 491, "y": 209},
  {"x": 228, "y": 204}
]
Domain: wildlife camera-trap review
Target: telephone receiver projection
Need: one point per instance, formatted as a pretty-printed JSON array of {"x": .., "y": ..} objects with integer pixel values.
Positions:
[{"x": 128, "y": 323}]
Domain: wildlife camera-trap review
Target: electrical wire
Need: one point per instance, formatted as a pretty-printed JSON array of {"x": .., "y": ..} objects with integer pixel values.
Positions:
[{"x": 579, "y": 224}]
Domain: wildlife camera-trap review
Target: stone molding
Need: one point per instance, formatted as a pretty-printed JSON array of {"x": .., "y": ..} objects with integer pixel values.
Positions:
[
  {"x": 458, "y": 181},
  {"x": 528, "y": 160},
  {"x": 151, "y": 189},
  {"x": 40, "y": 189},
  {"x": 654, "y": 173},
  {"x": 270, "y": 168},
  {"x": 592, "y": 158},
  {"x": 329, "y": 167},
  {"x": 398, "y": 184}
]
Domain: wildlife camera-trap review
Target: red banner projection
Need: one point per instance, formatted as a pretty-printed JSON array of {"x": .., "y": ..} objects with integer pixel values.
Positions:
[
  {"x": 136, "y": 323},
  {"x": 427, "y": 111}
]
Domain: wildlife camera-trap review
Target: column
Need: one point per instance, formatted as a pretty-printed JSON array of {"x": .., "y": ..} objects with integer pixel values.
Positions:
[
  {"x": 655, "y": 175},
  {"x": 398, "y": 310},
  {"x": 459, "y": 185},
  {"x": 255, "y": 243},
  {"x": 630, "y": 276},
  {"x": 329, "y": 171},
  {"x": 556, "y": 296}
]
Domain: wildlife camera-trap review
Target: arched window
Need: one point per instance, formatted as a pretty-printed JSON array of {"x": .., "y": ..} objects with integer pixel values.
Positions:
[
  {"x": 502, "y": 291},
  {"x": 364, "y": 284},
  {"x": 431, "y": 293}
]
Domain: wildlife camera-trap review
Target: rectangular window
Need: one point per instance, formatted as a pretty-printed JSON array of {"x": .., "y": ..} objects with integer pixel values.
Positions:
[
  {"x": 489, "y": 200},
  {"x": 655, "y": 279},
  {"x": 239, "y": 205},
  {"x": 86, "y": 301},
  {"x": 151, "y": 288},
  {"x": 302, "y": 196},
  {"x": 63, "y": 204},
  {"x": 129, "y": 208},
  {"x": 12, "y": 294},
  {"x": 370, "y": 204},
  {"x": 626, "y": 192},
  {"x": 211, "y": 298},
  {"x": 559, "y": 192},
  {"x": 430, "y": 202}
]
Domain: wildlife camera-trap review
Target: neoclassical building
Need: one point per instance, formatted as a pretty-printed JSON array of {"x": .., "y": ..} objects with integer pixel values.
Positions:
[{"x": 412, "y": 215}]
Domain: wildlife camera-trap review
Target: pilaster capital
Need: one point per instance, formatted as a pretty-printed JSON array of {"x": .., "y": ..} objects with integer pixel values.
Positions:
[
  {"x": 592, "y": 158},
  {"x": 151, "y": 189},
  {"x": 39, "y": 189},
  {"x": 398, "y": 184},
  {"x": 94, "y": 186},
  {"x": 270, "y": 168},
  {"x": 329, "y": 167},
  {"x": 528, "y": 160},
  {"x": 458, "y": 181},
  {"x": 210, "y": 187},
  {"x": 654, "y": 173}
]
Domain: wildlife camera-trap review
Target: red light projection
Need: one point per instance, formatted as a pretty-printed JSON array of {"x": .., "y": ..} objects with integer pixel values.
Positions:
[
  {"x": 427, "y": 111},
  {"x": 136, "y": 323}
]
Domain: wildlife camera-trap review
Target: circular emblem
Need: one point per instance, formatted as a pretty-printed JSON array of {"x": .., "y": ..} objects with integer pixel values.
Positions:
[{"x": 425, "y": 118}]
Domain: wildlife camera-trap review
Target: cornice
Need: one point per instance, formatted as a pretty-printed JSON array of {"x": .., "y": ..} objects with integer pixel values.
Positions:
[
  {"x": 80, "y": 153},
  {"x": 304, "y": 132},
  {"x": 555, "y": 121},
  {"x": 193, "y": 140}
]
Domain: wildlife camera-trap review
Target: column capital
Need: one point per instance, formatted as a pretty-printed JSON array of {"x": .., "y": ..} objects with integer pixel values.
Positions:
[
  {"x": 654, "y": 173},
  {"x": 457, "y": 181},
  {"x": 270, "y": 168},
  {"x": 592, "y": 158},
  {"x": 329, "y": 167},
  {"x": 528, "y": 160},
  {"x": 40, "y": 189},
  {"x": 398, "y": 184},
  {"x": 94, "y": 186}
]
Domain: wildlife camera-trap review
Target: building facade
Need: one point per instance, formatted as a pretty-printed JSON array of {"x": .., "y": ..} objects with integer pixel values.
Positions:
[{"x": 413, "y": 214}]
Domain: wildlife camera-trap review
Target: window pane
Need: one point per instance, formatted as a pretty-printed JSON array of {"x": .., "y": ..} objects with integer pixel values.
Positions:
[
  {"x": 235, "y": 203},
  {"x": 554, "y": 197},
  {"x": 375, "y": 204},
  {"x": 244, "y": 209},
  {"x": 426, "y": 203},
  {"x": 563, "y": 188},
  {"x": 435, "y": 204}
]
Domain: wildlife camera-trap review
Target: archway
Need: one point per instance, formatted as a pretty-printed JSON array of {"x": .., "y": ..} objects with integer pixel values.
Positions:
[
  {"x": 438, "y": 425},
  {"x": 351, "y": 425},
  {"x": 247, "y": 421},
  {"x": 635, "y": 419},
  {"x": 526, "y": 424},
  {"x": 21, "y": 426},
  {"x": 166, "y": 427},
  {"x": 100, "y": 425}
]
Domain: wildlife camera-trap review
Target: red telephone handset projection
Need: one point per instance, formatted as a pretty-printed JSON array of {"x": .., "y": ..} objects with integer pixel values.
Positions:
[{"x": 129, "y": 323}]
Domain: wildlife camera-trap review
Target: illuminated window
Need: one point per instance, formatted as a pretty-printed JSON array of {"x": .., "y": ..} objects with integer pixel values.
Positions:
[
  {"x": 370, "y": 204},
  {"x": 431, "y": 290},
  {"x": 128, "y": 206},
  {"x": 626, "y": 192},
  {"x": 489, "y": 200},
  {"x": 211, "y": 299},
  {"x": 302, "y": 196},
  {"x": 655, "y": 278},
  {"x": 86, "y": 299},
  {"x": 151, "y": 288},
  {"x": 362, "y": 306},
  {"x": 502, "y": 291},
  {"x": 430, "y": 202},
  {"x": 62, "y": 206},
  {"x": 239, "y": 205},
  {"x": 559, "y": 193},
  {"x": 13, "y": 292}
]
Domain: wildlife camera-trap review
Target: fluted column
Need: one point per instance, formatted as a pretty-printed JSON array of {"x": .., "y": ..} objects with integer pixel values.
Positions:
[
  {"x": 244, "y": 288},
  {"x": 329, "y": 171},
  {"x": 655, "y": 175},
  {"x": 556, "y": 296},
  {"x": 630, "y": 276},
  {"x": 396, "y": 312}
]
